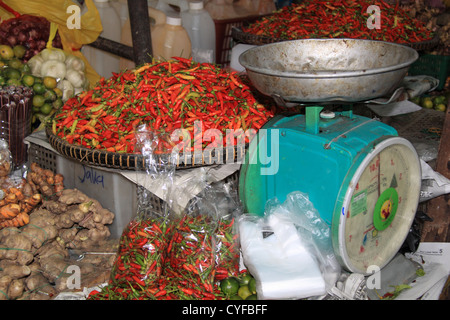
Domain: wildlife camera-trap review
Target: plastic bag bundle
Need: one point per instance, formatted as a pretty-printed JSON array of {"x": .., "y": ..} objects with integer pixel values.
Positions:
[
  {"x": 288, "y": 250},
  {"x": 165, "y": 255}
]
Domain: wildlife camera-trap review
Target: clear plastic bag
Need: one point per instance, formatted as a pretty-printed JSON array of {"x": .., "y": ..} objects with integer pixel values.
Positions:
[
  {"x": 288, "y": 251},
  {"x": 143, "y": 244},
  {"x": 5, "y": 158},
  {"x": 169, "y": 255}
]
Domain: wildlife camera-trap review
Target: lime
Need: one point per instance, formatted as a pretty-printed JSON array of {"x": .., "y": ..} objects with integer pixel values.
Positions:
[
  {"x": 38, "y": 88},
  {"x": 49, "y": 82},
  {"x": 415, "y": 100},
  {"x": 19, "y": 51},
  {"x": 38, "y": 100},
  {"x": 58, "y": 103},
  {"x": 50, "y": 95},
  {"x": 58, "y": 92},
  {"x": 229, "y": 286},
  {"x": 235, "y": 297},
  {"x": 28, "y": 80},
  {"x": 12, "y": 73},
  {"x": 15, "y": 63},
  {"x": 427, "y": 103},
  {"x": 441, "y": 107},
  {"x": 13, "y": 82},
  {"x": 244, "y": 279},
  {"x": 35, "y": 109},
  {"x": 46, "y": 108},
  {"x": 6, "y": 52},
  {"x": 438, "y": 100},
  {"x": 25, "y": 69},
  {"x": 244, "y": 292},
  {"x": 252, "y": 297},
  {"x": 252, "y": 285}
]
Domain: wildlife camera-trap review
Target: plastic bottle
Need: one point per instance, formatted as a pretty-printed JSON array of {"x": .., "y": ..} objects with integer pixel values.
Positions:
[
  {"x": 121, "y": 7},
  {"x": 202, "y": 33},
  {"x": 157, "y": 17},
  {"x": 166, "y": 6},
  {"x": 171, "y": 39},
  {"x": 221, "y": 9},
  {"x": 103, "y": 62}
]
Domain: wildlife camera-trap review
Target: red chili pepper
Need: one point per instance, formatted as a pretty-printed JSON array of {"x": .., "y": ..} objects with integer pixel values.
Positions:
[
  {"x": 340, "y": 19},
  {"x": 162, "y": 95}
]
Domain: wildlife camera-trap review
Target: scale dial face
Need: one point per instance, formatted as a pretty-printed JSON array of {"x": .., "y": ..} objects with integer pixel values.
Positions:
[{"x": 379, "y": 206}]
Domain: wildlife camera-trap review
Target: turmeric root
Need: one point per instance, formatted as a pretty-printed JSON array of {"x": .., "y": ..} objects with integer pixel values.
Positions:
[
  {"x": 15, "y": 206},
  {"x": 30, "y": 203},
  {"x": 18, "y": 221},
  {"x": 9, "y": 211}
]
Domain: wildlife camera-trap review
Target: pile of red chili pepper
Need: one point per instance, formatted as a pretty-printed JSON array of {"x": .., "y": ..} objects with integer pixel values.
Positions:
[
  {"x": 178, "y": 260},
  {"x": 164, "y": 96},
  {"x": 341, "y": 19}
]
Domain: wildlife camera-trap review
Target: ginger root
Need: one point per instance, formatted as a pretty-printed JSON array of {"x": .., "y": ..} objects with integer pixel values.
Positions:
[
  {"x": 46, "y": 181},
  {"x": 16, "y": 247},
  {"x": 34, "y": 258}
]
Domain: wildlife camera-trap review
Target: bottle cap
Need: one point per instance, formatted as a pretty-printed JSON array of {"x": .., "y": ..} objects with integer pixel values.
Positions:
[
  {"x": 174, "y": 21},
  {"x": 196, "y": 5}
]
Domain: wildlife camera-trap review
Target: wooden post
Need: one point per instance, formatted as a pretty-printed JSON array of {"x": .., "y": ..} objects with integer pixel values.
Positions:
[{"x": 439, "y": 208}]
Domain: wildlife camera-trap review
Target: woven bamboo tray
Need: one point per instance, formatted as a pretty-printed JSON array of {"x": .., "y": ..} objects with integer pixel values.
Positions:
[
  {"x": 247, "y": 38},
  {"x": 124, "y": 161}
]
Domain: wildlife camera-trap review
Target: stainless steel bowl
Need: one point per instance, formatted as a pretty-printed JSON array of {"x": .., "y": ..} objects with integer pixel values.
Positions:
[{"x": 327, "y": 70}]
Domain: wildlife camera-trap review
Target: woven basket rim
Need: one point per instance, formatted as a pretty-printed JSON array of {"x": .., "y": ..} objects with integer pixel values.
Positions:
[{"x": 127, "y": 161}]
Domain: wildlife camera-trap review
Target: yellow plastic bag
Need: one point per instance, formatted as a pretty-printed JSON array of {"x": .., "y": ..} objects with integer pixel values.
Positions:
[{"x": 76, "y": 27}]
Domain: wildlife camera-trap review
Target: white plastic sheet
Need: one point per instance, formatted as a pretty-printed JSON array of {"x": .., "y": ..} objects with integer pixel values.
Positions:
[{"x": 288, "y": 250}]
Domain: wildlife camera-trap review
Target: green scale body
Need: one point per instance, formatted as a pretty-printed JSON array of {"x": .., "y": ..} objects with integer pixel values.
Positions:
[{"x": 362, "y": 178}]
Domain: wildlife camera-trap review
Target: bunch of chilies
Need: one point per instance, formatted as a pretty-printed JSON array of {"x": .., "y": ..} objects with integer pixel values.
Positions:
[
  {"x": 173, "y": 259},
  {"x": 342, "y": 19},
  {"x": 164, "y": 96}
]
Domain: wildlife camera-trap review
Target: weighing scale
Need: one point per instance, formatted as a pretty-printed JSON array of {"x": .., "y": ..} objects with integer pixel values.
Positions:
[{"x": 363, "y": 178}]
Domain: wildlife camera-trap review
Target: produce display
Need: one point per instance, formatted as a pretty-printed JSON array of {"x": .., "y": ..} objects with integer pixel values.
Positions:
[
  {"x": 165, "y": 96},
  {"x": 434, "y": 16},
  {"x": 340, "y": 19},
  {"x": 164, "y": 259},
  {"x": 438, "y": 102},
  {"x": 31, "y": 32},
  {"x": 190, "y": 256},
  {"x": 67, "y": 69},
  {"x": 34, "y": 258},
  {"x": 53, "y": 75}
]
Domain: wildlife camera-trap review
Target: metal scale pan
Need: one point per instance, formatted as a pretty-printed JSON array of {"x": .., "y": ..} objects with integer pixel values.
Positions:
[{"x": 363, "y": 178}]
